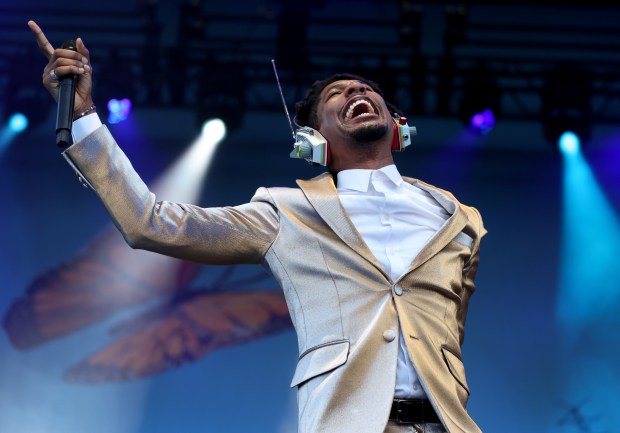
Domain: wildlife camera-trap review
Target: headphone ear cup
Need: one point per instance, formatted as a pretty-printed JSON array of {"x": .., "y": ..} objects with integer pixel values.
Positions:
[
  {"x": 402, "y": 133},
  {"x": 311, "y": 146}
]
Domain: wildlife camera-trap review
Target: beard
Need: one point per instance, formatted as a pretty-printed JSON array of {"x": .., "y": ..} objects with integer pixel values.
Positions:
[{"x": 369, "y": 133}]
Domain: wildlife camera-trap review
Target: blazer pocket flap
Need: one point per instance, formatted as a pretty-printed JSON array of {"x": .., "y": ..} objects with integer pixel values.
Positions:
[
  {"x": 455, "y": 365},
  {"x": 320, "y": 359}
]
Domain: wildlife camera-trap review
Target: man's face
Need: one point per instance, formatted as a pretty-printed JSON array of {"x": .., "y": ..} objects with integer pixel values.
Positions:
[{"x": 350, "y": 110}]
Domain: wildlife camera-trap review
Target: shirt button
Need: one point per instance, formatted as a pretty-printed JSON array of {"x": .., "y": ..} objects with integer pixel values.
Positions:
[
  {"x": 398, "y": 290},
  {"x": 386, "y": 217},
  {"x": 416, "y": 387},
  {"x": 389, "y": 335}
]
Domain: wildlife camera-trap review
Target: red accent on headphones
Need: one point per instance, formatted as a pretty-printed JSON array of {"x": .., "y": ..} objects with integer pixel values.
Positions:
[
  {"x": 396, "y": 140},
  {"x": 328, "y": 149}
]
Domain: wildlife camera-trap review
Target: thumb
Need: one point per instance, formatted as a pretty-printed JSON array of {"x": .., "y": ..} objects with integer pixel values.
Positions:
[{"x": 81, "y": 48}]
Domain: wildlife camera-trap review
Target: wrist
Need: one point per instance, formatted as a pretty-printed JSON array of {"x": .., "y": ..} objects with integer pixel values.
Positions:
[{"x": 85, "y": 112}]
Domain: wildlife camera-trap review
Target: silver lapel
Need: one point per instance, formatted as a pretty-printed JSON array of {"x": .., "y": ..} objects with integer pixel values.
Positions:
[
  {"x": 322, "y": 194},
  {"x": 446, "y": 233}
]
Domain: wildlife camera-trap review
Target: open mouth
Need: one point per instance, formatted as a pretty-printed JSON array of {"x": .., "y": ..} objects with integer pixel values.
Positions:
[{"x": 359, "y": 108}]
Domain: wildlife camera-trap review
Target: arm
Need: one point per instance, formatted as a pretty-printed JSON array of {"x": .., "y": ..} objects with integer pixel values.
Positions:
[{"x": 239, "y": 234}]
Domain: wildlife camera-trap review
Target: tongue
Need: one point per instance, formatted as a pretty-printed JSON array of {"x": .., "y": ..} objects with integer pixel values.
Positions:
[{"x": 359, "y": 109}]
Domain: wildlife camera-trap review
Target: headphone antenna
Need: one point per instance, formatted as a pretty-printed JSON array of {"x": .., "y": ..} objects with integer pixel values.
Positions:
[{"x": 275, "y": 71}]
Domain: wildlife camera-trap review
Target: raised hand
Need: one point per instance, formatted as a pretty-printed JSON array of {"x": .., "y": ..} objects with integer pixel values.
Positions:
[{"x": 64, "y": 62}]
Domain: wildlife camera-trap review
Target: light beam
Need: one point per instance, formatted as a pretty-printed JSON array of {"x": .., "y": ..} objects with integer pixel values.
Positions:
[{"x": 589, "y": 287}]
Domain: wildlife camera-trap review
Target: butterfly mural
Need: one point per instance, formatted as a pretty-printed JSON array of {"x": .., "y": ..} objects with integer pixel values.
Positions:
[{"x": 177, "y": 324}]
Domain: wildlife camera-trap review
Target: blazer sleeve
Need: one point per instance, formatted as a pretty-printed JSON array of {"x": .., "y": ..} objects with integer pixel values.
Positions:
[
  {"x": 469, "y": 272},
  {"x": 226, "y": 235}
]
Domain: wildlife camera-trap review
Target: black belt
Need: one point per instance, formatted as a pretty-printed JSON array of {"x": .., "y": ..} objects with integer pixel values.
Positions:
[{"x": 413, "y": 412}]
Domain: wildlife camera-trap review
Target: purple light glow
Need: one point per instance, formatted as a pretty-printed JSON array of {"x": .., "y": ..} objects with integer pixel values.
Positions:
[
  {"x": 483, "y": 122},
  {"x": 118, "y": 110}
]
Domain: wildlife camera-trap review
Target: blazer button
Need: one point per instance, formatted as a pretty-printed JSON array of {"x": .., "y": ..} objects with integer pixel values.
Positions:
[
  {"x": 389, "y": 335},
  {"x": 398, "y": 290}
]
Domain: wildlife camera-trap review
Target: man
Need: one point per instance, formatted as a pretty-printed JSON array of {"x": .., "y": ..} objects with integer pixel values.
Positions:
[{"x": 377, "y": 272}]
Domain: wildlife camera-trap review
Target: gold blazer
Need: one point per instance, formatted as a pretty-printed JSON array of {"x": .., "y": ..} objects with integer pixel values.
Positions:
[{"x": 345, "y": 308}]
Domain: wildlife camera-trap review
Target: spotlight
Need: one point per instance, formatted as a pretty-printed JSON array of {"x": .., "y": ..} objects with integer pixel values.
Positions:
[
  {"x": 569, "y": 143},
  {"x": 483, "y": 122},
  {"x": 118, "y": 110},
  {"x": 214, "y": 130},
  {"x": 18, "y": 122}
]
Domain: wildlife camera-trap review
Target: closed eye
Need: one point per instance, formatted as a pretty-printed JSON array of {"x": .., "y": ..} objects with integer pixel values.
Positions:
[{"x": 333, "y": 94}]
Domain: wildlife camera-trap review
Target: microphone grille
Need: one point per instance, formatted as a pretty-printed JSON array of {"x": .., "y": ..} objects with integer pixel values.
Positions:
[{"x": 69, "y": 45}]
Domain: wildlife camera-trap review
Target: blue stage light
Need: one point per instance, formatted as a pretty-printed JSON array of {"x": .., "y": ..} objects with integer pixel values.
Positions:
[
  {"x": 483, "y": 122},
  {"x": 588, "y": 296},
  {"x": 18, "y": 122},
  {"x": 591, "y": 233},
  {"x": 118, "y": 110},
  {"x": 569, "y": 143}
]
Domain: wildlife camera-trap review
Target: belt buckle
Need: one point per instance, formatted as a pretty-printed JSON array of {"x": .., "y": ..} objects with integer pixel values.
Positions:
[{"x": 416, "y": 411}]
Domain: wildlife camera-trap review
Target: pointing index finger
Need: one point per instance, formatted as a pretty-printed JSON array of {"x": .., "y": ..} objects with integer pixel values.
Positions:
[{"x": 44, "y": 45}]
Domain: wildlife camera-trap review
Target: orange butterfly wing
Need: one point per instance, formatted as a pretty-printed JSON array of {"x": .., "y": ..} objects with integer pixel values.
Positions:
[
  {"x": 182, "y": 332},
  {"x": 106, "y": 278}
]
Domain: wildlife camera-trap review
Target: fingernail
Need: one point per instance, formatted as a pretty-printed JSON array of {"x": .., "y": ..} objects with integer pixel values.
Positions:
[
  {"x": 85, "y": 60},
  {"x": 87, "y": 68},
  {"x": 81, "y": 70}
]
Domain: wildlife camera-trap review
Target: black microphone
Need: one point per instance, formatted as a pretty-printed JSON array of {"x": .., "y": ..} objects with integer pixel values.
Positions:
[{"x": 66, "y": 100}]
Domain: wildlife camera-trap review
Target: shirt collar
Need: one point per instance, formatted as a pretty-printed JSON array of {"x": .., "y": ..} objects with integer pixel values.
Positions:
[{"x": 358, "y": 179}]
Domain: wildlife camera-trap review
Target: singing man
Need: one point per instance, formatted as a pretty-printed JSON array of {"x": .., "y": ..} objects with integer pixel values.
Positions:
[{"x": 377, "y": 269}]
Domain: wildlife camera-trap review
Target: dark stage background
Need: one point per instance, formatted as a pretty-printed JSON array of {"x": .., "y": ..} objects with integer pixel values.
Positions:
[{"x": 541, "y": 347}]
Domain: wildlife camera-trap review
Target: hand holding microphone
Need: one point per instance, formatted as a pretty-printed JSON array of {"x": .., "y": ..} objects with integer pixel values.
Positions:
[{"x": 62, "y": 63}]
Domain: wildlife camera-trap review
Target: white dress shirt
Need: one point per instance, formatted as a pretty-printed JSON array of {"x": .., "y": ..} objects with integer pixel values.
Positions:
[
  {"x": 84, "y": 126},
  {"x": 396, "y": 220}
]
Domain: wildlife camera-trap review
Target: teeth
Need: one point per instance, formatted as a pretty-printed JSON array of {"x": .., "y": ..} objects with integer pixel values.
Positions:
[{"x": 349, "y": 114}]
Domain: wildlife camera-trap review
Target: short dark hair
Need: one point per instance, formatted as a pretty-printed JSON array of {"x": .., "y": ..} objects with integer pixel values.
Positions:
[{"x": 305, "y": 111}]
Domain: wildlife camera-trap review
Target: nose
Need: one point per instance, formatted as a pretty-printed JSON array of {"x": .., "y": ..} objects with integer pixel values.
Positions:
[{"x": 356, "y": 88}]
